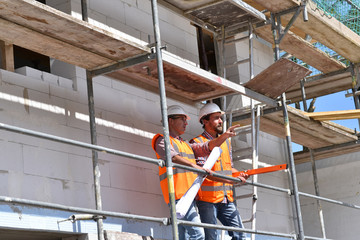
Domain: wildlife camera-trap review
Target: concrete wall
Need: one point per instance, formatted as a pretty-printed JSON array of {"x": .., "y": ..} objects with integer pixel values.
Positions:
[
  {"x": 338, "y": 179},
  {"x": 127, "y": 118},
  {"x": 134, "y": 18},
  {"x": 262, "y": 58},
  {"x": 274, "y": 211}
]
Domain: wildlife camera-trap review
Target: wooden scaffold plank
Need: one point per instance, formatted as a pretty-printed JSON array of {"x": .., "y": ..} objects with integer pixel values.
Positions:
[
  {"x": 334, "y": 115},
  {"x": 303, "y": 50},
  {"x": 277, "y": 78},
  {"x": 320, "y": 26},
  {"x": 304, "y": 130}
]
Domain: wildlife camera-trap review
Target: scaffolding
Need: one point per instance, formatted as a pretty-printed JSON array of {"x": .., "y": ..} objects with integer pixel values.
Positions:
[{"x": 134, "y": 58}]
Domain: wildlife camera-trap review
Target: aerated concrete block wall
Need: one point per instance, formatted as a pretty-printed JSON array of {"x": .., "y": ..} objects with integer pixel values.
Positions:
[
  {"x": 274, "y": 211},
  {"x": 262, "y": 58},
  {"x": 338, "y": 179},
  {"x": 127, "y": 118},
  {"x": 134, "y": 17}
]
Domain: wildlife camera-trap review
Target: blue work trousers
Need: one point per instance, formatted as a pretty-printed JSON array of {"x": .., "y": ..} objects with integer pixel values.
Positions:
[
  {"x": 191, "y": 232},
  {"x": 226, "y": 213}
]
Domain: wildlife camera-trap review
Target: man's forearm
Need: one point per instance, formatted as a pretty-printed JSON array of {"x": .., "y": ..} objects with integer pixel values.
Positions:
[{"x": 216, "y": 142}]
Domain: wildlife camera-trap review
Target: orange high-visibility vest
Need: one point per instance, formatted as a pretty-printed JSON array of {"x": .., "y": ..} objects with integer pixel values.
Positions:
[
  {"x": 183, "y": 179},
  {"x": 213, "y": 191}
]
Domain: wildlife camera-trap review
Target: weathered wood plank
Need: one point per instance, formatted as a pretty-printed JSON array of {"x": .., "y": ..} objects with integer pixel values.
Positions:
[
  {"x": 18, "y": 35},
  {"x": 321, "y": 87},
  {"x": 321, "y": 27},
  {"x": 7, "y": 56},
  {"x": 184, "y": 80},
  {"x": 302, "y": 157},
  {"x": 40, "y": 28},
  {"x": 303, "y": 50},
  {"x": 305, "y": 131},
  {"x": 277, "y": 5},
  {"x": 334, "y": 115},
  {"x": 178, "y": 85},
  {"x": 108, "y": 43},
  {"x": 277, "y": 78}
]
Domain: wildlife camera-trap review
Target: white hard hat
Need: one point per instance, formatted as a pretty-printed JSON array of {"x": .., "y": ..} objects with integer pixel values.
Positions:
[
  {"x": 208, "y": 109},
  {"x": 176, "y": 110}
]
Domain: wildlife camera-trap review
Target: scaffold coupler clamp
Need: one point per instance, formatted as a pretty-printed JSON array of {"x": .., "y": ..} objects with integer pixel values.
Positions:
[
  {"x": 305, "y": 13},
  {"x": 255, "y": 197},
  {"x": 153, "y": 50},
  {"x": 75, "y": 217}
]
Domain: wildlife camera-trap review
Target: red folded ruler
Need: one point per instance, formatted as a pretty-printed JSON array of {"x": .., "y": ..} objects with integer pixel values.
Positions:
[{"x": 262, "y": 170}]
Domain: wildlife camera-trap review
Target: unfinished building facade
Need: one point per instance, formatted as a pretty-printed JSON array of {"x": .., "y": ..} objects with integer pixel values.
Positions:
[{"x": 82, "y": 94}]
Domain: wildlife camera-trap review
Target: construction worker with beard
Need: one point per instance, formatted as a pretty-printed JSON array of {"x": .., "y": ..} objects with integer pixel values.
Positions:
[
  {"x": 215, "y": 198},
  {"x": 182, "y": 153}
]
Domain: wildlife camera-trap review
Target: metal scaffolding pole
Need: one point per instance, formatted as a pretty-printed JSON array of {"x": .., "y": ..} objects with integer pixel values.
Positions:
[
  {"x": 169, "y": 168},
  {"x": 317, "y": 192},
  {"x": 254, "y": 134},
  {"x": 223, "y": 74},
  {"x": 276, "y": 29},
  {"x": 303, "y": 94},
  {"x": 141, "y": 158},
  {"x": 255, "y": 117},
  {"x": 355, "y": 75},
  {"x": 20, "y": 201},
  {"x": 251, "y": 51},
  {"x": 236, "y": 229},
  {"x": 84, "y": 10},
  {"x": 96, "y": 168}
]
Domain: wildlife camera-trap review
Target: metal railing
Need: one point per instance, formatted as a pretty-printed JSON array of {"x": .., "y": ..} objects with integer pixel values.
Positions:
[{"x": 159, "y": 162}]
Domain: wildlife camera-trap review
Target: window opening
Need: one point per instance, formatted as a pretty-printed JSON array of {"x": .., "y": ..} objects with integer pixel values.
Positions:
[
  {"x": 206, "y": 48},
  {"x": 24, "y": 57}
]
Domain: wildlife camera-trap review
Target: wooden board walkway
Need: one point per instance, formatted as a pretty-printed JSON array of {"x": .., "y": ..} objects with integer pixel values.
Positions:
[
  {"x": 321, "y": 85},
  {"x": 304, "y": 130},
  {"x": 349, "y": 147},
  {"x": 278, "y": 78},
  {"x": 320, "y": 26},
  {"x": 58, "y": 35},
  {"x": 303, "y": 50},
  {"x": 334, "y": 115}
]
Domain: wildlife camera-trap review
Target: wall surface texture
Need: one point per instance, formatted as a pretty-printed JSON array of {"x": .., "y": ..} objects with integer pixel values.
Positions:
[{"x": 127, "y": 118}]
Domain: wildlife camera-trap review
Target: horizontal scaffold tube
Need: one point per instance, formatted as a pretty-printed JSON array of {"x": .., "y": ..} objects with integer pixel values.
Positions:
[
  {"x": 81, "y": 210},
  {"x": 234, "y": 179},
  {"x": 235, "y": 229},
  {"x": 79, "y": 144},
  {"x": 156, "y": 161},
  {"x": 329, "y": 200}
]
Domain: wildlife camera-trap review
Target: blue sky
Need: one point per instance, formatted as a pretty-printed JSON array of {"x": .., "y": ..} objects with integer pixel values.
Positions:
[{"x": 333, "y": 102}]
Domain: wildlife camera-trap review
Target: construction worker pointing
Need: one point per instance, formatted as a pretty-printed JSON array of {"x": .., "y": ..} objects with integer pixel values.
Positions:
[{"x": 216, "y": 197}]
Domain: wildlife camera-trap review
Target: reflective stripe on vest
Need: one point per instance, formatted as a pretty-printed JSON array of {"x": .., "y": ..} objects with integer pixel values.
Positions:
[
  {"x": 216, "y": 188},
  {"x": 183, "y": 178},
  {"x": 212, "y": 191},
  {"x": 175, "y": 171}
]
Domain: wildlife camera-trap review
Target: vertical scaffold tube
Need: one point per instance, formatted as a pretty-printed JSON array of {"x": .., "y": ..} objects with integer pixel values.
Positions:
[
  {"x": 355, "y": 77},
  {"x": 276, "y": 25},
  {"x": 96, "y": 168},
  {"x": 251, "y": 51},
  {"x": 169, "y": 170},
  {"x": 317, "y": 192},
  {"x": 255, "y": 157}
]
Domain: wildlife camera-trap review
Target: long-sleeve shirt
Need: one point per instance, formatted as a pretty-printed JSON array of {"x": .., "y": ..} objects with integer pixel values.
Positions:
[
  {"x": 202, "y": 156},
  {"x": 202, "y": 148}
]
